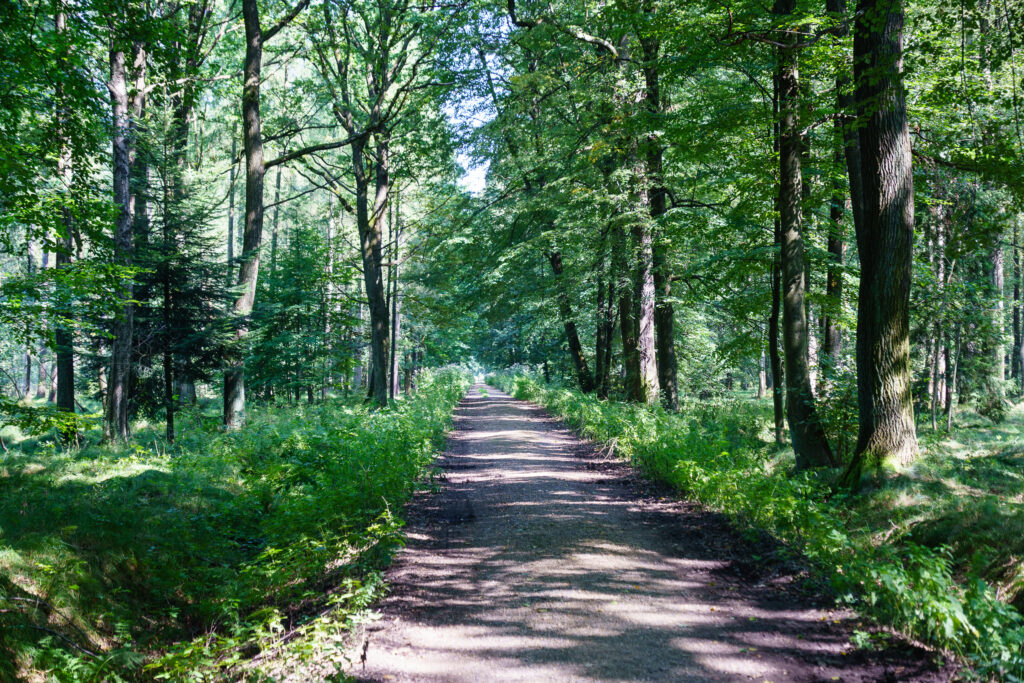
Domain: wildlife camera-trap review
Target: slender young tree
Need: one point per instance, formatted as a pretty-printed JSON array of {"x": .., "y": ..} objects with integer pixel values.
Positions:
[{"x": 63, "y": 337}]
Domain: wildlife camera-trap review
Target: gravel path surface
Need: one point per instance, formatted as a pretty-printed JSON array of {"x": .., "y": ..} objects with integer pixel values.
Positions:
[{"x": 540, "y": 561}]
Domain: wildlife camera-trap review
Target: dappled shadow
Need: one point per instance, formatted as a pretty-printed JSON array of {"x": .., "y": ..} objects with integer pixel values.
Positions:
[
  {"x": 83, "y": 556},
  {"x": 538, "y": 562}
]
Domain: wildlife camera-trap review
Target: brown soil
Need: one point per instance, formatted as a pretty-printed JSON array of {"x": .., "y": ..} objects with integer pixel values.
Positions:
[{"x": 539, "y": 560}]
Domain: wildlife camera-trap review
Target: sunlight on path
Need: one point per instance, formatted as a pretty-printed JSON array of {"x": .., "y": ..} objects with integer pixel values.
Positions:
[{"x": 535, "y": 564}]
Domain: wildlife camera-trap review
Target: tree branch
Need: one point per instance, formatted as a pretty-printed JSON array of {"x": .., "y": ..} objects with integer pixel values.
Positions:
[
  {"x": 291, "y": 156},
  {"x": 284, "y": 21}
]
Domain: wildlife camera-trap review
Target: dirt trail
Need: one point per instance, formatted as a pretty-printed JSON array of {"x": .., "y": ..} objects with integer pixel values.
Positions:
[{"x": 538, "y": 561}]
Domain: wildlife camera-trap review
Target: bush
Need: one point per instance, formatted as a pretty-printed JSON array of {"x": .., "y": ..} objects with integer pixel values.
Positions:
[{"x": 268, "y": 541}]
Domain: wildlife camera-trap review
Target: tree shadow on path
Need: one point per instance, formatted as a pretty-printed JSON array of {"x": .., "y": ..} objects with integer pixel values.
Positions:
[{"x": 538, "y": 561}]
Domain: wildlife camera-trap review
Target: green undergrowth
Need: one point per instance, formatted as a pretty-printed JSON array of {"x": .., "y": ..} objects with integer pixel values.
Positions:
[
  {"x": 902, "y": 553},
  {"x": 228, "y": 555}
]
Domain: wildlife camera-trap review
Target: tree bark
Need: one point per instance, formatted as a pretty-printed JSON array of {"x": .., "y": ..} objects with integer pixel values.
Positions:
[
  {"x": 664, "y": 314},
  {"x": 231, "y": 205},
  {"x": 646, "y": 386},
  {"x": 116, "y": 426},
  {"x": 368, "y": 220},
  {"x": 252, "y": 237},
  {"x": 396, "y": 308},
  {"x": 998, "y": 351},
  {"x": 809, "y": 443},
  {"x": 775, "y": 359},
  {"x": 832, "y": 345},
  {"x": 951, "y": 382},
  {"x": 627, "y": 322},
  {"x": 579, "y": 360},
  {"x": 63, "y": 336},
  {"x": 885, "y": 243},
  {"x": 603, "y": 336},
  {"x": 1015, "y": 306}
]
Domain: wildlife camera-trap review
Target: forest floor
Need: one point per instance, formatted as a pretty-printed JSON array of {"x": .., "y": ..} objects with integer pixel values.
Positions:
[{"x": 541, "y": 559}]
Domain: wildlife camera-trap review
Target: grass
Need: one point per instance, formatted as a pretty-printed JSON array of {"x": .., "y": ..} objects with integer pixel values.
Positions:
[
  {"x": 228, "y": 554},
  {"x": 933, "y": 551},
  {"x": 966, "y": 493}
]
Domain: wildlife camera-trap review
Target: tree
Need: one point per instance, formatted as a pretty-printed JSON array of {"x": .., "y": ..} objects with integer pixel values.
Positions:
[
  {"x": 256, "y": 168},
  {"x": 884, "y": 242},
  {"x": 809, "y": 442},
  {"x": 117, "y": 426}
]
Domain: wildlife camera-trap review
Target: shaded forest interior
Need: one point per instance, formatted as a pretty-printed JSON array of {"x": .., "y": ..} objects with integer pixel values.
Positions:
[{"x": 253, "y": 252}]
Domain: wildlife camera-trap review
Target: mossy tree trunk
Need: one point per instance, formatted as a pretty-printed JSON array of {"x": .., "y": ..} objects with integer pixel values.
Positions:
[{"x": 885, "y": 243}]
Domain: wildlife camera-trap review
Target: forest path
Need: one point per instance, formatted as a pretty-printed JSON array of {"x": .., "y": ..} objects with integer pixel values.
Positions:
[{"x": 539, "y": 561}]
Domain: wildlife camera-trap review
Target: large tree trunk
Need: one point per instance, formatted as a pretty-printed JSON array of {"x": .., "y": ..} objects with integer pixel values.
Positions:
[
  {"x": 368, "y": 220},
  {"x": 249, "y": 261},
  {"x": 885, "y": 243},
  {"x": 579, "y": 360},
  {"x": 664, "y": 314},
  {"x": 809, "y": 443},
  {"x": 116, "y": 426},
  {"x": 646, "y": 386}
]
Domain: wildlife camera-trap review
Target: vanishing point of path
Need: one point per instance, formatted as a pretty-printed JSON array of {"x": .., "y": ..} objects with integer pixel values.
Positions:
[{"x": 538, "y": 560}]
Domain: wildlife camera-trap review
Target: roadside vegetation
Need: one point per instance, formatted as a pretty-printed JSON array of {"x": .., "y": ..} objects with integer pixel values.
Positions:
[
  {"x": 227, "y": 552},
  {"x": 932, "y": 551}
]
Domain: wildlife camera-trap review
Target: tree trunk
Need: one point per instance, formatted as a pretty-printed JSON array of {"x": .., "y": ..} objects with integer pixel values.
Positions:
[
  {"x": 762, "y": 375},
  {"x": 579, "y": 360},
  {"x": 231, "y": 204},
  {"x": 603, "y": 338},
  {"x": 1018, "y": 259},
  {"x": 645, "y": 388},
  {"x": 63, "y": 337},
  {"x": 609, "y": 324},
  {"x": 884, "y": 242},
  {"x": 998, "y": 351},
  {"x": 846, "y": 132},
  {"x": 778, "y": 380},
  {"x": 116, "y": 426},
  {"x": 933, "y": 394},
  {"x": 664, "y": 314},
  {"x": 252, "y": 238},
  {"x": 396, "y": 309},
  {"x": 832, "y": 345},
  {"x": 627, "y": 323},
  {"x": 274, "y": 225},
  {"x": 951, "y": 382},
  {"x": 1015, "y": 364},
  {"x": 165, "y": 276},
  {"x": 42, "y": 387},
  {"x": 809, "y": 443},
  {"x": 368, "y": 221}
]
